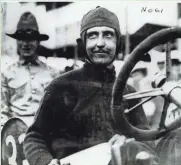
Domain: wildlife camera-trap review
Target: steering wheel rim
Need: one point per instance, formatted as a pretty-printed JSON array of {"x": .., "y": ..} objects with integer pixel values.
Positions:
[{"x": 160, "y": 37}]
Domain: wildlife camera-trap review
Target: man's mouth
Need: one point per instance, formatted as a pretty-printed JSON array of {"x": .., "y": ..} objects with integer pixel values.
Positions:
[
  {"x": 26, "y": 50},
  {"x": 100, "y": 54},
  {"x": 100, "y": 51}
]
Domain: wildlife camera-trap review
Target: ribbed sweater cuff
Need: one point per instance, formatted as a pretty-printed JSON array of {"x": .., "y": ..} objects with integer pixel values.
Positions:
[{"x": 43, "y": 159}]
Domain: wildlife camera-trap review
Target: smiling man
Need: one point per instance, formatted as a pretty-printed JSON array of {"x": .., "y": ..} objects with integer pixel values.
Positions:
[
  {"x": 75, "y": 111},
  {"x": 101, "y": 45},
  {"x": 23, "y": 83}
]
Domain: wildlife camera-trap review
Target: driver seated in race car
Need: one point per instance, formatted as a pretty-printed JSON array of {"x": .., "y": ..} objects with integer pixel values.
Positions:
[{"x": 74, "y": 113}]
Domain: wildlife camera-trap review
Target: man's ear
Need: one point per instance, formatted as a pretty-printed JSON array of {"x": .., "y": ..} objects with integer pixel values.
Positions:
[
  {"x": 79, "y": 41},
  {"x": 81, "y": 48},
  {"x": 121, "y": 44}
]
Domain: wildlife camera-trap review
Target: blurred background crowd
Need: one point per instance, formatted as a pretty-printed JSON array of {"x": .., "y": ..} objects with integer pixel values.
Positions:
[{"x": 61, "y": 21}]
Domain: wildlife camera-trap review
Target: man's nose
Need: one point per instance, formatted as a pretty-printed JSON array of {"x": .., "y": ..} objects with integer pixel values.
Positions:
[
  {"x": 100, "y": 42},
  {"x": 25, "y": 43}
]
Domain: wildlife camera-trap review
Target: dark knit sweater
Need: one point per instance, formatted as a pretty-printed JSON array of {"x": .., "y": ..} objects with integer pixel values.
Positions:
[{"x": 75, "y": 114}]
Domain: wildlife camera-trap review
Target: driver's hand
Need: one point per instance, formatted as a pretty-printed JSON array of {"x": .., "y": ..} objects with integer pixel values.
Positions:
[
  {"x": 57, "y": 162},
  {"x": 54, "y": 162},
  {"x": 120, "y": 140},
  {"x": 116, "y": 143}
]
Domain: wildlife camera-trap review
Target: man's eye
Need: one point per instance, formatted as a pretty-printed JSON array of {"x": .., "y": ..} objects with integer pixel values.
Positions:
[
  {"x": 108, "y": 34},
  {"x": 92, "y": 35}
]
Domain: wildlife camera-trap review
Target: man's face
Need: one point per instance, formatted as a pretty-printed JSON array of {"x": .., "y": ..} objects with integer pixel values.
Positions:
[
  {"x": 137, "y": 75},
  {"x": 161, "y": 65},
  {"x": 176, "y": 71},
  {"x": 101, "y": 44},
  {"x": 27, "y": 48}
]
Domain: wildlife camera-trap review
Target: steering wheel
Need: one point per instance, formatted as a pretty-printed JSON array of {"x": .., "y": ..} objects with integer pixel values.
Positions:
[{"x": 118, "y": 114}]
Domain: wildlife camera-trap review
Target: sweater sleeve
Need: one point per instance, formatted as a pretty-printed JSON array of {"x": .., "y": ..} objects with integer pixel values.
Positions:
[
  {"x": 38, "y": 141},
  {"x": 49, "y": 123},
  {"x": 35, "y": 143}
]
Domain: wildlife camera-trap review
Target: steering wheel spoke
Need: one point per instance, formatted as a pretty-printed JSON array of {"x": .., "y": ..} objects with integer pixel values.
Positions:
[
  {"x": 143, "y": 94},
  {"x": 139, "y": 104},
  {"x": 164, "y": 114}
]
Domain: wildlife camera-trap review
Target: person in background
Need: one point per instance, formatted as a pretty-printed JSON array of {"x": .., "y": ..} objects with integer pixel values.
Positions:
[
  {"x": 23, "y": 83},
  {"x": 75, "y": 111},
  {"x": 138, "y": 75},
  {"x": 161, "y": 65},
  {"x": 141, "y": 81},
  {"x": 173, "y": 110},
  {"x": 176, "y": 65}
]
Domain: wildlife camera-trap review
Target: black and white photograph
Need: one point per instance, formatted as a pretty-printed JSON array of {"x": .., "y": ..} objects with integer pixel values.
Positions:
[{"x": 90, "y": 82}]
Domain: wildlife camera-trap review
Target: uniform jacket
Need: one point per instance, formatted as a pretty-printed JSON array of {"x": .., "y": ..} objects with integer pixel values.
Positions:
[
  {"x": 75, "y": 114},
  {"x": 22, "y": 87}
]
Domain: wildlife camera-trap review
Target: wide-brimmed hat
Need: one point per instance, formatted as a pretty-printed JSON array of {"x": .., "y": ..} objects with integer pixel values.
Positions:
[{"x": 27, "y": 29}]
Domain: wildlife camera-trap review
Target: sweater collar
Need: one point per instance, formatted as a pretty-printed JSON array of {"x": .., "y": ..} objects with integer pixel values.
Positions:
[{"x": 102, "y": 74}]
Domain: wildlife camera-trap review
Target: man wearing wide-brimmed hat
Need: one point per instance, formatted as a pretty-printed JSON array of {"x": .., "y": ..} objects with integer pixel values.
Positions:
[{"x": 23, "y": 82}]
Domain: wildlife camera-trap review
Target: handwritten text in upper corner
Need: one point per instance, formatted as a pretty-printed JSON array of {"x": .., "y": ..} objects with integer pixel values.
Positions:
[{"x": 151, "y": 10}]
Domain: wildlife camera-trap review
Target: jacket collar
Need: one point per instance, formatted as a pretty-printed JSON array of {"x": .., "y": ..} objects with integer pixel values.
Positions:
[{"x": 35, "y": 61}]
